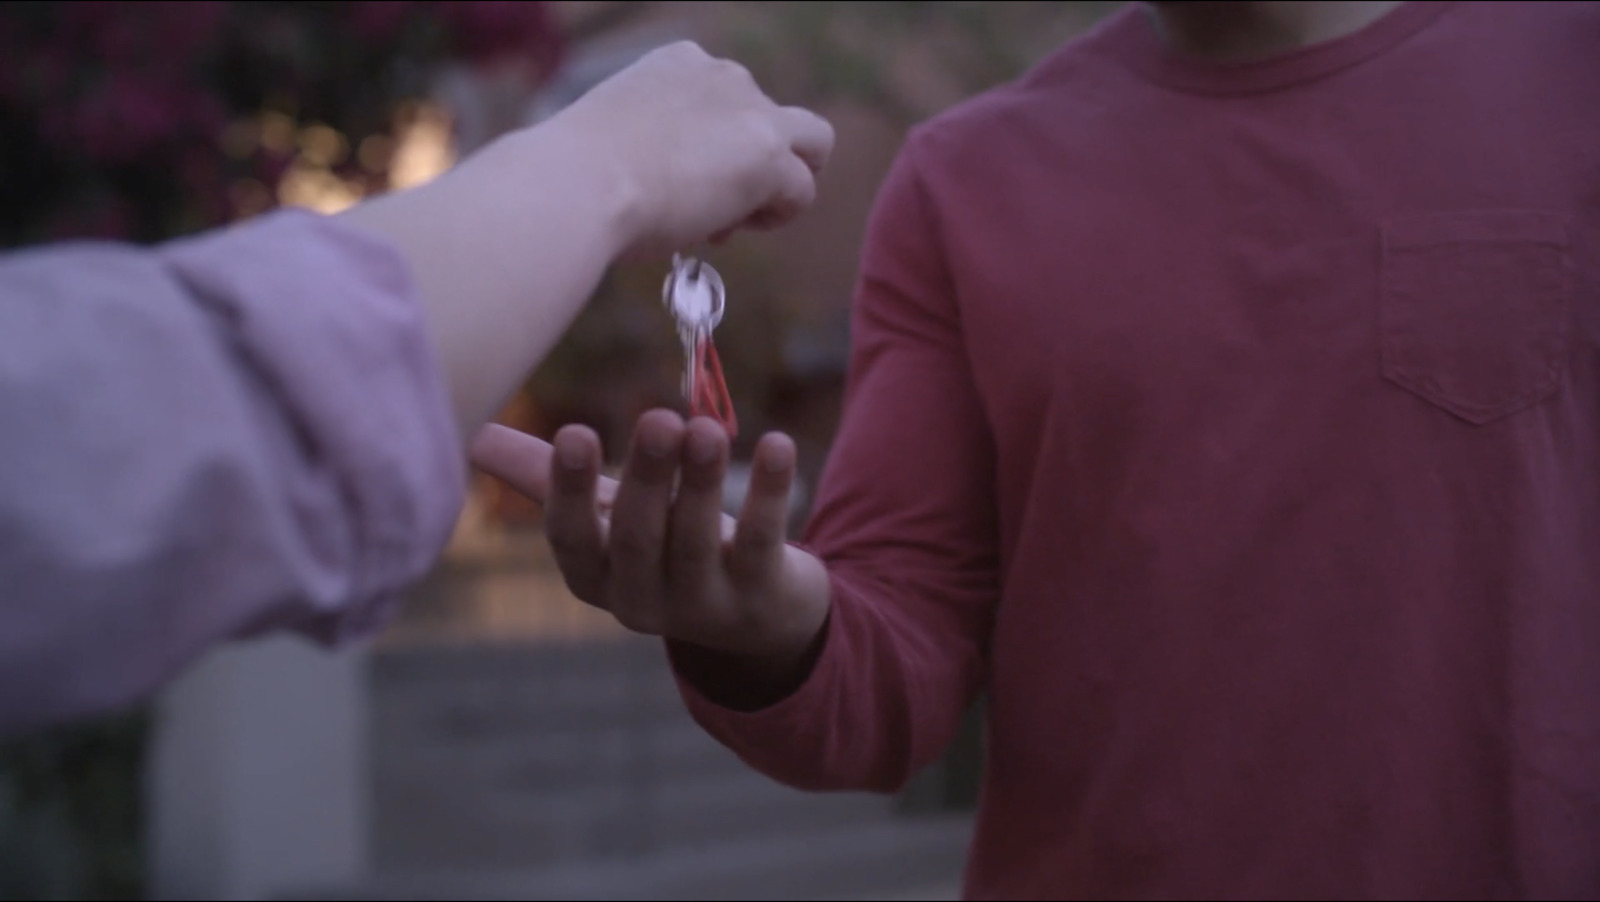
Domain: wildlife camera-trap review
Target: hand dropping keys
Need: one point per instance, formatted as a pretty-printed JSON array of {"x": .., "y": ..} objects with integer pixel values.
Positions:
[{"x": 694, "y": 294}]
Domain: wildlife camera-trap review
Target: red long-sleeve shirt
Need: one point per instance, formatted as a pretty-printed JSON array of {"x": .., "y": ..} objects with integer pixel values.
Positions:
[{"x": 1237, "y": 429}]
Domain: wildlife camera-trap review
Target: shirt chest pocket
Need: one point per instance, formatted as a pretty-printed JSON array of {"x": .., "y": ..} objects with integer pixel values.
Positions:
[{"x": 1475, "y": 308}]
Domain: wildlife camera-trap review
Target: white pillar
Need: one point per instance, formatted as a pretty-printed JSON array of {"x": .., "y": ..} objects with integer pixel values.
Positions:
[{"x": 256, "y": 783}]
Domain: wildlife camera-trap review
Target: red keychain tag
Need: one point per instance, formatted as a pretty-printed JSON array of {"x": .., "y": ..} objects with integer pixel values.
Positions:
[{"x": 711, "y": 398}]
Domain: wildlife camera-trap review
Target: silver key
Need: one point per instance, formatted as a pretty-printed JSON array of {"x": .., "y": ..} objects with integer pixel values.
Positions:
[{"x": 694, "y": 295}]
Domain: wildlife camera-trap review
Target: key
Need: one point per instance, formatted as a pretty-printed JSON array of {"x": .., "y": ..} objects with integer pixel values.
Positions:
[
  {"x": 695, "y": 296},
  {"x": 691, "y": 362}
]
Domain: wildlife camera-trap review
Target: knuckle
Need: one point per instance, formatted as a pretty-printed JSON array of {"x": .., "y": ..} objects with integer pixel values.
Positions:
[
  {"x": 632, "y": 543},
  {"x": 692, "y": 558},
  {"x": 678, "y": 54},
  {"x": 803, "y": 188},
  {"x": 737, "y": 73},
  {"x": 761, "y": 535},
  {"x": 764, "y": 135},
  {"x": 567, "y": 491},
  {"x": 775, "y": 142},
  {"x": 562, "y": 537}
]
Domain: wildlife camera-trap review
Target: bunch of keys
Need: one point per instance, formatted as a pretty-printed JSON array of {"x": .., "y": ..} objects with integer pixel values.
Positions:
[{"x": 694, "y": 295}]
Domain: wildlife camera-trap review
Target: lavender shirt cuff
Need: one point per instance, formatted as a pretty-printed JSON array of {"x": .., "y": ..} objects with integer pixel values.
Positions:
[{"x": 238, "y": 432}]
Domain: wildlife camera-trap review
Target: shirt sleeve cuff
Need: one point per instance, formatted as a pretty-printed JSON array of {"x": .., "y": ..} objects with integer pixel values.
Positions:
[
  {"x": 760, "y": 735},
  {"x": 329, "y": 316}
]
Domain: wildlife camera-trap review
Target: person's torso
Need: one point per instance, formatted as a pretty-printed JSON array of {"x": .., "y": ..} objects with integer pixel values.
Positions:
[{"x": 1296, "y": 401}]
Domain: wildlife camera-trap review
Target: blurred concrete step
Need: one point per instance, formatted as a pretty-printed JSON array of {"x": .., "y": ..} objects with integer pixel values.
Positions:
[
  {"x": 526, "y": 690},
  {"x": 497, "y": 760},
  {"x": 949, "y": 891},
  {"x": 471, "y": 660},
  {"x": 560, "y": 757},
  {"x": 428, "y": 826},
  {"x": 534, "y": 755},
  {"x": 901, "y": 859}
]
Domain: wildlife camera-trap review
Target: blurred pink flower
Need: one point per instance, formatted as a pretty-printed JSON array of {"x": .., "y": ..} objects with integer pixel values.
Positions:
[
  {"x": 105, "y": 217},
  {"x": 199, "y": 169},
  {"x": 41, "y": 74},
  {"x": 380, "y": 20},
  {"x": 105, "y": 85},
  {"x": 128, "y": 115},
  {"x": 270, "y": 167},
  {"x": 87, "y": 16},
  {"x": 121, "y": 39},
  {"x": 14, "y": 50},
  {"x": 191, "y": 25},
  {"x": 11, "y": 76},
  {"x": 202, "y": 180},
  {"x": 205, "y": 115},
  {"x": 163, "y": 33},
  {"x": 490, "y": 31}
]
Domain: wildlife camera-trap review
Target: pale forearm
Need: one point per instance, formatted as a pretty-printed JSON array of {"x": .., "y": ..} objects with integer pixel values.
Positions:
[{"x": 505, "y": 250}]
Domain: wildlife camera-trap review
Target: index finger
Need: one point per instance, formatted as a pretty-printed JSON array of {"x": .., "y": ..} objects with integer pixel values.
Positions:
[
  {"x": 523, "y": 462},
  {"x": 810, "y": 136},
  {"x": 514, "y": 457}
]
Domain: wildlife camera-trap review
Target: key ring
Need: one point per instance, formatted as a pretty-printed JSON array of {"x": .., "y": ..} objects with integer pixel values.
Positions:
[
  {"x": 694, "y": 295},
  {"x": 682, "y": 283}
]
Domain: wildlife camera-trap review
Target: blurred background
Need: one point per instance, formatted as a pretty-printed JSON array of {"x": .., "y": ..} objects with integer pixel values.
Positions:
[{"x": 502, "y": 740}]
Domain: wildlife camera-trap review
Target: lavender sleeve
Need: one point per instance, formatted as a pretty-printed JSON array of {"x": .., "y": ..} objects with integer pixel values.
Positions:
[{"x": 235, "y": 433}]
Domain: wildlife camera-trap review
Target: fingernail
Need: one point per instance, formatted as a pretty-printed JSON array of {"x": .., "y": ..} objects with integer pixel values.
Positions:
[
  {"x": 655, "y": 444},
  {"x": 702, "y": 449},
  {"x": 779, "y": 459},
  {"x": 574, "y": 456}
]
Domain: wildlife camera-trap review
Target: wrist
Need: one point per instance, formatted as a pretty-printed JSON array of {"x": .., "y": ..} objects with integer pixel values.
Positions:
[
  {"x": 805, "y": 600},
  {"x": 504, "y": 251},
  {"x": 752, "y": 675},
  {"x": 746, "y": 683},
  {"x": 596, "y": 170}
]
